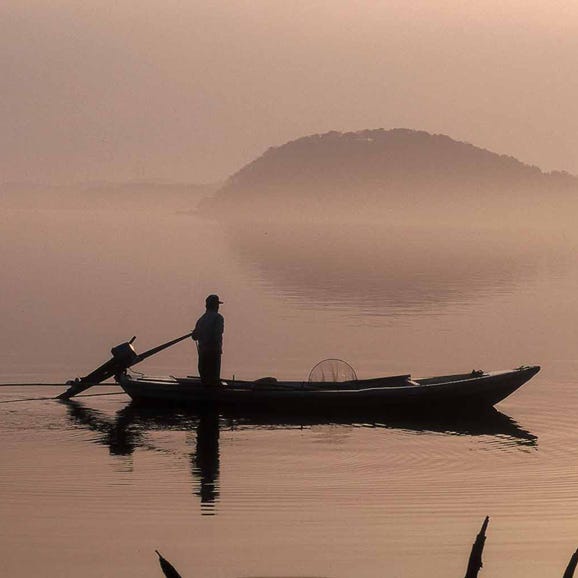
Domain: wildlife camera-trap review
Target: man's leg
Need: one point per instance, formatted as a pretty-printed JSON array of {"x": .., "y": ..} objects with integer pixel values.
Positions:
[
  {"x": 218, "y": 368},
  {"x": 203, "y": 368},
  {"x": 213, "y": 369}
]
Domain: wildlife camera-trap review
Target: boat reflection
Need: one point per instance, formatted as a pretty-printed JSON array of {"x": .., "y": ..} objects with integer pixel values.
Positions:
[
  {"x": 133, "y": 426},
  {"x": 490, "y": 422}
]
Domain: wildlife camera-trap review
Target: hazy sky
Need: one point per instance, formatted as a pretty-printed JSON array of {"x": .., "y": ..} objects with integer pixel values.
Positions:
[{"x": 193, "y": 89}]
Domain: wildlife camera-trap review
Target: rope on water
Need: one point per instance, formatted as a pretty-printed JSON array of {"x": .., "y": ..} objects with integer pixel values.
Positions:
[
  {"x": 27, "y": 399},
  {"x": 54, "y": 399},
  {"x": 52, "y": 384}
]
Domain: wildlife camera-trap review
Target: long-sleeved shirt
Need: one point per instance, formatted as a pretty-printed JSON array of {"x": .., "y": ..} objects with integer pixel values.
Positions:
[{"x": 209, "y": 331}]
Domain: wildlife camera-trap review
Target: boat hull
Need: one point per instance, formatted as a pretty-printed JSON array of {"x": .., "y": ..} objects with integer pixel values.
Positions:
[{"x": 465, "y": 392}]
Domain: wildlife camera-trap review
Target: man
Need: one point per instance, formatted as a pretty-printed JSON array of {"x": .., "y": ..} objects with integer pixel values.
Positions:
[{"x": 208, "y": 334}]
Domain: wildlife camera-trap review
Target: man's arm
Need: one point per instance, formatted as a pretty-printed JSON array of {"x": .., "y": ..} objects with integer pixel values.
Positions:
[
  {"x": 195, "y": 334},
  {"x": 220, "y": 325}
]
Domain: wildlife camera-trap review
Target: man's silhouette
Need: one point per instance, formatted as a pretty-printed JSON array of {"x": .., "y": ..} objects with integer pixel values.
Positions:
[{"x": 208, "y": 334}]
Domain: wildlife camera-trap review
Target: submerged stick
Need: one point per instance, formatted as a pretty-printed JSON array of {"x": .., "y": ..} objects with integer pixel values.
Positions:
[
  {"x": 571, "y": 566},
  {"x": 475, "y": 561},
  {"x": 168, "y": 569}
]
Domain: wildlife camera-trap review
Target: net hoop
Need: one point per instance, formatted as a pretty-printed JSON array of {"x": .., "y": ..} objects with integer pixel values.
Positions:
[{"x": 332, "y": 371}]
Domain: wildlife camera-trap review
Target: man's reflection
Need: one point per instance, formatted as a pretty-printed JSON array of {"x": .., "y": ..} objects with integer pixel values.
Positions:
[{"x": 205, "y": 461}]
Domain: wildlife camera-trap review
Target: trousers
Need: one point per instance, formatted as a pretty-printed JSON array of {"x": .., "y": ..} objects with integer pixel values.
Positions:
[{"x": 210, "y": 367}]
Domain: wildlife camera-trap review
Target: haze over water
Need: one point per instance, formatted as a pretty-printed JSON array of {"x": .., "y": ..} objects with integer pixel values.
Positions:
[{"x": 94, "y": 487}]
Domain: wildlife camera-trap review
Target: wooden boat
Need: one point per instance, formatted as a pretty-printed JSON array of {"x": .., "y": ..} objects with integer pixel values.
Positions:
[{"x": 468, "y": 391}]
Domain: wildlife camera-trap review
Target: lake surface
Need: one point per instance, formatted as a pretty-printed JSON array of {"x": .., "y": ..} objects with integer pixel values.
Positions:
[{"x": 94, "y": 486}]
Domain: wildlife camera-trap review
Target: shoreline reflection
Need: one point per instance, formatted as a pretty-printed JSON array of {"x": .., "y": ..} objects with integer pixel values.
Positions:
[{"x": 353, "y": 263}]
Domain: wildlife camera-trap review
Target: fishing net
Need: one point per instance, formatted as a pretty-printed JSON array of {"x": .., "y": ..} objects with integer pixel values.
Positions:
[{"x": 332, "y": 370}]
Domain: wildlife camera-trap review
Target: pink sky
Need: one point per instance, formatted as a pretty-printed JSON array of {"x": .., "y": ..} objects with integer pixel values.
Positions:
[{"x": 185, "y": 90}]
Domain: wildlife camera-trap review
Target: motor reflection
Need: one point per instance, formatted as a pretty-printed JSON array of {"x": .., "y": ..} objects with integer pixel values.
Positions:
[{"x": 128, "y": 431}]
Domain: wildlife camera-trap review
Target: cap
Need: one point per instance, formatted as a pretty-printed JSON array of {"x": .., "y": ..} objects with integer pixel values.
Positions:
[{"x": 212, "y": 300}]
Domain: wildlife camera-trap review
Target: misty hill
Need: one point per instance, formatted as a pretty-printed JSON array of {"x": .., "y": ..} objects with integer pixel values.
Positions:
[
  {"x": 104, "y": 195},
  {"x": 395, "y": 169}
]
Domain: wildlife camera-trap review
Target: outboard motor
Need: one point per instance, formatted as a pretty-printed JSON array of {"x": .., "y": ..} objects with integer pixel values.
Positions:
[{"x": 125, "y": 353}]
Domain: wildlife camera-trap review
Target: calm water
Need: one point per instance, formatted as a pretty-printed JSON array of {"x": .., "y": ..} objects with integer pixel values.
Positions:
[{"x": 94, "y": 486}]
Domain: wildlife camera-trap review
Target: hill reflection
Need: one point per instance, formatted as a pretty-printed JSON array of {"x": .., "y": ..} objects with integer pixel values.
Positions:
[
  {"x": 380, "y": 267},
  {"x": 132, "y": 427}
]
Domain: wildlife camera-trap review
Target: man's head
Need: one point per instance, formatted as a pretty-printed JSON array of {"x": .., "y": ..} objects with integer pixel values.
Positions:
[{"x": 213, "y": 302}]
